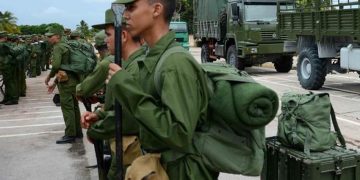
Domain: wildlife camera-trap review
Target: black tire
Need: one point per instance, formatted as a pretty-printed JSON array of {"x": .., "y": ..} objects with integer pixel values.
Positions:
[
  {"x": 283, "y": 64},
  {"x": 311, "y": 70},
  {"x": 232, "y": 58},
  {"x": 205, "y": 56}
]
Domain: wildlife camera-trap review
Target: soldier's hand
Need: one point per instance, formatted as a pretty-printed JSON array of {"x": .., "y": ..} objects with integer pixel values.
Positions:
[
  {"x": 88, "y": 118},
  {"x": 113, "y": 68},
  {"x": 51, "y": 88}
]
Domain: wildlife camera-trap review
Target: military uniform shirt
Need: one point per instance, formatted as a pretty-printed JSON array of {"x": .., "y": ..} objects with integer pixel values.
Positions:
[{"x": 167, "y": 121}]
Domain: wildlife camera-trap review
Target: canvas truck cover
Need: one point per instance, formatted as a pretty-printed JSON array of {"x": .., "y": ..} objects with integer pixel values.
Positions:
[{"x": 208, "y": 10}]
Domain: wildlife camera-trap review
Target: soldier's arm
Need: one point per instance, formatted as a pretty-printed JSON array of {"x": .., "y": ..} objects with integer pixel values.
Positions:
[
  {"x": 175, "y": 119},
  {"x": 94, "y": 81},
  {"x": 58, "y": 52}
]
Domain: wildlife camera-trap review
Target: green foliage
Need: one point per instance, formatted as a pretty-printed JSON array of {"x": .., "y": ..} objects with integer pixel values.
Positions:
[
  {"x": 312, "y": 4},
  {"x": 36, "y": 29},
  {"x": 8, "y": 22},
  {"x": 185, "y": 8},
  {"x": 83, "y": 27}
]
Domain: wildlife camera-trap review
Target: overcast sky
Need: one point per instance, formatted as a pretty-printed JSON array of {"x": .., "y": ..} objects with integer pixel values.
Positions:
[{"x": 66, "y": 12}]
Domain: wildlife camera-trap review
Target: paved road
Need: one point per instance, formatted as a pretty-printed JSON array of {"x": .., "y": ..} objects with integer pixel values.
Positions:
[{"x": 28, "y": 131}]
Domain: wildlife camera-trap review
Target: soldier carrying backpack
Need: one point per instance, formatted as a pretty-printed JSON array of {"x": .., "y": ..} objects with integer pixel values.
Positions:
[{"x": 177, "y": 112}]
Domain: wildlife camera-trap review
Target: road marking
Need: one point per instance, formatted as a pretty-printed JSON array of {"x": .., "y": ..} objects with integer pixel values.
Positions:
[
  {"x": 33, "y": 125},
  {"x": 31, "y": 134},
  {"x": 38, "y": 112},
  {"x": 348, "y": 121},
  {"x": 36, "y": 118}
]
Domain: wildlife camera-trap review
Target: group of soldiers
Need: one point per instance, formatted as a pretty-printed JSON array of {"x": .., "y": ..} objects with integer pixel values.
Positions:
[
  {"x": 158, "y": 124},
  {"x": 21, "y": 56}
]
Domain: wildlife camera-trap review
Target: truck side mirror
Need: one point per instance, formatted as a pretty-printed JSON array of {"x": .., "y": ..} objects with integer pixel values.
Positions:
[{"x": 235, "y": 12}]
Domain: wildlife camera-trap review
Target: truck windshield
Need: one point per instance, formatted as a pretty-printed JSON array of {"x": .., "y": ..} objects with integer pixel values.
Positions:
[
  {"x": 178, "y": 27},
  {"x": 264, "y": 11},
  {"x": 260, "y": 12}
]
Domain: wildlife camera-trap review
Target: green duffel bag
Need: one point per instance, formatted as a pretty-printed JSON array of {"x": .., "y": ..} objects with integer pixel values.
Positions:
[{"x": 304, "y": 122}]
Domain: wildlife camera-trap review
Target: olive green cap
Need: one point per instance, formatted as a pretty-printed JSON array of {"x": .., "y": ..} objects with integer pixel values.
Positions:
[
  {"x": 109, "y": 19},
  {"x": 54, "y": 30},
  {"x": 75, "y": 34},
  {"x": 123, "y": 1},
  {"x": 100, "y": 38}
]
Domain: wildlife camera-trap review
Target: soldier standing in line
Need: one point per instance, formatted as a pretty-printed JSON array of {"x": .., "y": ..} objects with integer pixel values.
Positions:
[
  {"x": 11, "y": 96},
  {"x": 104, "y": 127},
  {"x": 35, "y": 53},
  {"x": 169, "y": 117},
  {"x": 21, "y": 61},
  {"x": 66, "y": 85}
]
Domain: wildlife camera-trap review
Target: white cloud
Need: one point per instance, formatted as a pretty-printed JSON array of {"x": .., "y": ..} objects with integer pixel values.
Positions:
[{"x": 52, "y": 10}]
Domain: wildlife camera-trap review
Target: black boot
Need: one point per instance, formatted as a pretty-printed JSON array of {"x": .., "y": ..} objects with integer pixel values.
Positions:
[
  {"x": 66, "y": 139},
  {"x": 11, "y": 102}
]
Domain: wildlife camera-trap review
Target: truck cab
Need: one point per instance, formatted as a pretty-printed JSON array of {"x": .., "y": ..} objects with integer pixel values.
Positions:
[
  {"x": 181, "y": 33},
  {"x": 244, "y": 32}
]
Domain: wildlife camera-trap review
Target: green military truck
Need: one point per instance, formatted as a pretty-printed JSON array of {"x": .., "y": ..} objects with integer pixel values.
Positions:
[
  {"x": 326, "y": 36},
  {"x": 241, "y": 31}
]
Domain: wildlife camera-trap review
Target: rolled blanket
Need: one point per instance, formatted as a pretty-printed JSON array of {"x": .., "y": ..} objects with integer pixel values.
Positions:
[{"x": 244, "y": 104}]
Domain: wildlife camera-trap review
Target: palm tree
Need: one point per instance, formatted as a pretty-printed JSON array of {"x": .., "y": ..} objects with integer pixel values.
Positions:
[
  {"x": 8, "y": 22},
  {"x": 83, "y": 27}
]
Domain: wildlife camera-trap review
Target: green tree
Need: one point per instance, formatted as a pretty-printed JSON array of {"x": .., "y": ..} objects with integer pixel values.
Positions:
[
  {"x": 8, "y": 22},
  {"x": 36, "y": 29},
  {"x": 83, "y": 27},
  {"x": 185, "y": 9}
]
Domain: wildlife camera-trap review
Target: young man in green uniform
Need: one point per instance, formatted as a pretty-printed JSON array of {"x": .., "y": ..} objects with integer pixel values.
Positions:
[
  {"x": 9, "y": 68},
  {"x": 67, "y": 89},
  {"x": 167, "y": 119},
  {"x": 104, "y": 128}
]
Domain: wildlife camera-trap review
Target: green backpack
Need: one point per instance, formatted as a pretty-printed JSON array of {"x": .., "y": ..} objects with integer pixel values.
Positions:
[
  {"x": 82, "y": 58},
  {"x": 304, "y": 122},
  {"x": 233, "y": 138}
]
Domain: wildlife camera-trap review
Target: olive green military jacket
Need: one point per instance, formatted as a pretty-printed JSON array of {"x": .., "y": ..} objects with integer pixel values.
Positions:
[
  {"x": 105, "y": 128},
  {"x": 5, "y": 55},
  {"x": 169, "y": 120},
  {"x": 60, "y": 55},
  {"x": 95, "y": 80}
]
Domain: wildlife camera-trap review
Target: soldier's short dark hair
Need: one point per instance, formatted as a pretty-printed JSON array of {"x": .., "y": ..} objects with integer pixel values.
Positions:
[{"x": 169, "y": 7}]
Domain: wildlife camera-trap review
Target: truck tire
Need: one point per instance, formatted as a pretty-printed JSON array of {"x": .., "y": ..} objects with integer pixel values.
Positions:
[
  {"x": 311, "y": 70},
  {"x": 232, "y": 59},
  {"x": 205, "y": 53},
  {"x": 283, "y": 64}
]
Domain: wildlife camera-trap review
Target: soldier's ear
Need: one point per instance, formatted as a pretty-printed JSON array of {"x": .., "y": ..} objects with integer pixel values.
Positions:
[
  {"x": 158, "y": 9},
  {"x": 124, "y": 36}
]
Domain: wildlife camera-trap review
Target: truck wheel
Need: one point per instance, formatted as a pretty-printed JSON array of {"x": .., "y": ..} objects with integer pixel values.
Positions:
[
  {"x": 205, "y": 53},
  {"x": 231, "y": 58},
  {"x": 311, "y": 70},
  {"x": 283, "y": 64}
]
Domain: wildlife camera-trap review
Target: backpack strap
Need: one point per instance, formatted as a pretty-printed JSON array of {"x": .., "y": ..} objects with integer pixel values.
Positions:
[
  {"x": 336, "y": 127},
  {"x": 164, "y": 56}
]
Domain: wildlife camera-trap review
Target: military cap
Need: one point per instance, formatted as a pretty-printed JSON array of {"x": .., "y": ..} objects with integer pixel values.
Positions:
[
  {"x": 75, "y": 33},
  {"x": 109, "y": 19},
  {"x": 100, "y": 38},
  {"x": 123, "y": 1},
  {"x": 54, "y": 30}
]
